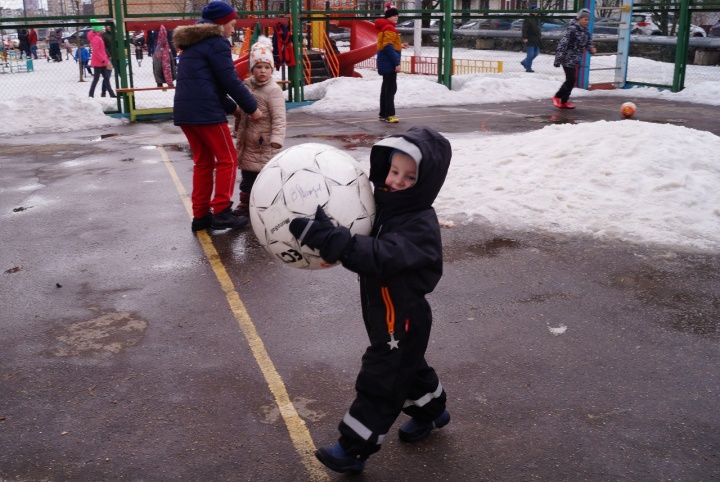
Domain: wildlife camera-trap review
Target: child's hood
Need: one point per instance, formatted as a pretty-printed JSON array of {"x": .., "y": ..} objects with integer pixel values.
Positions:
[
  {"x": 383, "y": 25},
  {"x": 435, "y": 152}
]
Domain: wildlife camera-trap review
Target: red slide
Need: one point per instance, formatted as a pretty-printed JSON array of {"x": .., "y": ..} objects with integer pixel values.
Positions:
[
  {"x": 242, "y": 67},
  {"x": 363, "y": 45}
]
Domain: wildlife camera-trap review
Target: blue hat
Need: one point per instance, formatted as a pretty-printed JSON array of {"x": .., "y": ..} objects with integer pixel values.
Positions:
[
  {"x": 534, "y": 7},
  {"x": 218, "y": 12}
]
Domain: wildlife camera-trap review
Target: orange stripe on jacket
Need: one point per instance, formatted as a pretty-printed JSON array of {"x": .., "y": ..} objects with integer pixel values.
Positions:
[{"x": 389, "y": 309}]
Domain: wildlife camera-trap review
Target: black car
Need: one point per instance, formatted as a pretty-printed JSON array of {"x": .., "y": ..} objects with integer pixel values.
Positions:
[
  {"x": 714, "y": 30},
  {"x": 490, "y": 23}
]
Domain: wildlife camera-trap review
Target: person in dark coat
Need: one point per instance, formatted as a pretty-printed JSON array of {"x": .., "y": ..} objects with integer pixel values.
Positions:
[
  {"x": 24, "y": 43},
  {"x": 399, "y": 263},
  {"x": 206, "y": 76},
  {"x": 531, "y": 35},
  {"x": 54, "y": 38},
  {"x": 576, "y": 40}
]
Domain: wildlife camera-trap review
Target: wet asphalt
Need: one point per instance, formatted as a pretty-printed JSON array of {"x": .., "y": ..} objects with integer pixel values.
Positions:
[{"x": 126, "y": 355}]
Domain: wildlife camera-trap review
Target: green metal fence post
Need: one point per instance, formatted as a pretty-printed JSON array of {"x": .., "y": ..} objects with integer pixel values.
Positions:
[
  {"x": 119, "y": 46},
  {"x": 447, "y": 48},
  {"x": 681, "y": 49},
  {"x": 296, "y": 72}
]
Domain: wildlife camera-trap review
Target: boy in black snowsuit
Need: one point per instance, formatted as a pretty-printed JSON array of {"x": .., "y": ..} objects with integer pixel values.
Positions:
[{"x": 399, "y": 263}]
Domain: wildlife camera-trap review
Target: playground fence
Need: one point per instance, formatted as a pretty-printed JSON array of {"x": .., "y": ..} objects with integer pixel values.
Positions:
[{"x": 429, "y": 66}]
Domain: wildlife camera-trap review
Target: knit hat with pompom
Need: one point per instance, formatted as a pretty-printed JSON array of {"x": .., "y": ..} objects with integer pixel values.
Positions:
[
  {"x": 390, "y": 11},
  {"x": 261, "y": 51}
]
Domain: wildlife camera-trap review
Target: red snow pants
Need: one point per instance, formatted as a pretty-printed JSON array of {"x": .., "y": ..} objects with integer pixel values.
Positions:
[{"x": 215, "y": 161}]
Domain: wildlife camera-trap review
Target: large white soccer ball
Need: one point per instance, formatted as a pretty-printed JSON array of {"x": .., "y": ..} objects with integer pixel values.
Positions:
[{"x": 293, "y": 183}]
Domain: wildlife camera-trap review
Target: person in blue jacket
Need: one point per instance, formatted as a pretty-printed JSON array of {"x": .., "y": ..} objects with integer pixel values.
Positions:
[
  {"x": 207, "y": 90},
  {"x": 388, "y": 62},
  {"x": 84, "y": 55}
]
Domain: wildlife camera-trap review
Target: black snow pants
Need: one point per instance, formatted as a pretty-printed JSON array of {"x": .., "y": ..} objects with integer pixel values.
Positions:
[{"x": 391, "y": 380}]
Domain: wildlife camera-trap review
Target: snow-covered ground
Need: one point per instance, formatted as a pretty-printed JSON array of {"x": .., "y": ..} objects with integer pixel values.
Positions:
[{"x": 625, "y": 179}]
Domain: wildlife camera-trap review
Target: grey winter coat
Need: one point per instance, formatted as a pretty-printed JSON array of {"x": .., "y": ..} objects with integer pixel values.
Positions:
[
  {"x": 571, "y": 46},
  {"x": 254, "y": 137}
]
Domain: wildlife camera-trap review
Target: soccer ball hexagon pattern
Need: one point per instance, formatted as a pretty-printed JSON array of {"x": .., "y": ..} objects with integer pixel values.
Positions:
[{"x": 293, "y": 183}]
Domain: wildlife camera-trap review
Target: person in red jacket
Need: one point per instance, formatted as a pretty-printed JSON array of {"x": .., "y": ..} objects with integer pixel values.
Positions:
[{"x": 32, "y": 39}]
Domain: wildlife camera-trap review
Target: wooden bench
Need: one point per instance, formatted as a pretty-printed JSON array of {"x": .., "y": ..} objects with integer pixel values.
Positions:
[{"x": 130, "y": 92}]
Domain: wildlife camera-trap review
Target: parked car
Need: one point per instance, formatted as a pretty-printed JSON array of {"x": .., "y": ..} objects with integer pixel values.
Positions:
[
  {"x": 606, "y": 26},
  {"x": 13, "y": 37},
  {"x": 338, "y": 33},
  {"x": 715, "y": 30},
  {"x": 645, "y": 24},
  {"x": 82, "y": 33},
  {"x": 548, "y": 24},
  {"x": 489, "y": 23},
  {"x": 434, "y": 23}
]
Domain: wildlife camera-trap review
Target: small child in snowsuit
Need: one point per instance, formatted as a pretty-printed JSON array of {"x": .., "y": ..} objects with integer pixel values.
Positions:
[
  {"x": 257, "y": 142},
  {"x": 399, "y": 263},
  {"x": 84, "y": 58}
]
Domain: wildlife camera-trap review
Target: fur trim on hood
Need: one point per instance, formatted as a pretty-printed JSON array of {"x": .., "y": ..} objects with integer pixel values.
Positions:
[{"x": 188, "y": 35}]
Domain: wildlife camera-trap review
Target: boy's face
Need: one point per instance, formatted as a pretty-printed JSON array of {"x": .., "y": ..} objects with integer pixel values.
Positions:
[
  {"x": 262, "y": 71},
  {"x": 584, "y": 21},
  {"x": 394, "y": 19},
  {"x": 403, "y": 172}
]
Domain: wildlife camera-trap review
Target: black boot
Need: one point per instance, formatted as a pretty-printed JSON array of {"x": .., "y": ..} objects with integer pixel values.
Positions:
[{"x": 227, "y": 220}]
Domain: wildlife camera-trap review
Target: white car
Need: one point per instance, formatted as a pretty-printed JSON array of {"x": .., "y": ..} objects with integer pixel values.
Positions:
[
  {"x": 644, "y": 24},
  {"x": 13, "y": 37}
]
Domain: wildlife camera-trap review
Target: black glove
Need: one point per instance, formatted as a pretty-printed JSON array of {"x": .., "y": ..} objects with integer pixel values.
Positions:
[
  {"x": 323, "y": 235},
  {"x": 556, "y": 64}
]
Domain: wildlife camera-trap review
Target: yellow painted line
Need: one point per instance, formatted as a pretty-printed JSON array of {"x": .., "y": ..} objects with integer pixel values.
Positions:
[{"x": 299, "y": 433}]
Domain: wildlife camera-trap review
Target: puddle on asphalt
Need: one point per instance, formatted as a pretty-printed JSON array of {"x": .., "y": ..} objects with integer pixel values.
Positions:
[
  {"x": 690, "y": 311},
  {"x": 553, "y": 119},
  {"x": 100, "y": 137},
  {"x": 351, "y": 141},
  {"x": 488, "y": 249},
  {"x": 177, "y": 148}
]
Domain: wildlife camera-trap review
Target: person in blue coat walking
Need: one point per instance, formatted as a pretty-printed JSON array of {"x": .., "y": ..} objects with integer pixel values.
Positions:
[{"x": 207, "y": 90}]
